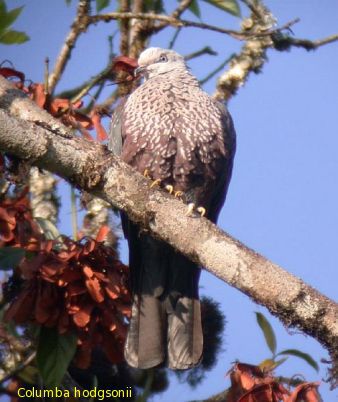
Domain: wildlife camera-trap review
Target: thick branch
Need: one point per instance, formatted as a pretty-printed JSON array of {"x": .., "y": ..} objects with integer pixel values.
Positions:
[{"x": 91, "y": 167}]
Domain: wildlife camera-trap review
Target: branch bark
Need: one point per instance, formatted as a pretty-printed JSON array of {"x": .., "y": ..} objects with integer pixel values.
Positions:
[{"x": 32, "y": 134}]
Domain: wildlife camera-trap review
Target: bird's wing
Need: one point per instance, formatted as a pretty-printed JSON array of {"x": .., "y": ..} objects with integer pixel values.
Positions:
[
  {"x": 115, "y": 140},
  {"x": 223, "y": 180}
]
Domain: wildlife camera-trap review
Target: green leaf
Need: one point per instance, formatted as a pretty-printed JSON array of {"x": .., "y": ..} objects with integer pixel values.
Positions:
[
  {"x": 68, "y": 2},
  {"x": 230, "y": 6},
  {"x": 269, "y": 335},
  {"x": 54, "y": 353},
  {"x": 271, "y": 364},
  {"x": 11, "y": 37},
  {"x": 101, "y": 4},
  {"x": 7, "y": 19},
  {"x": 29, "y": 374},
  {"x": 154, "y": 5},
  {"x": 3, "y": 9},
  {"x": 279, "y": 362},
  {"x": 302, "y": 355},
  {"x": 10, "y": 257},
  {"x": 50, "y": 231},
  {"x": 195, "y": 8}
]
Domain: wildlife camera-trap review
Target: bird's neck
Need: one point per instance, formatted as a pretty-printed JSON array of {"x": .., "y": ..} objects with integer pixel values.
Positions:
[{"x": 176, "y": 75}]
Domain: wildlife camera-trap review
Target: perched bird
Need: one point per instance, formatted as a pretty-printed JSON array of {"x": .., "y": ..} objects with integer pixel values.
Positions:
[{"x": 173, "y": 130}]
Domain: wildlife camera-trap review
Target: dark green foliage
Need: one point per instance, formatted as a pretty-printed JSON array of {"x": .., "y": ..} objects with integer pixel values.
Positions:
[
  {"x": 271, "y": 342},
  {"x": 301, "y": 355},
  {"x": 154, "y": 5},
  {"x": 7, "y": 18},
  {"x": 101, "y": 4},
  {"x": 54, "y": 353},
  {"x": 10, "y": 257},
  {"x": 229, "y": 6},
  {"x": 268, "y": 332},
  {"x": 195, "y": 8}
]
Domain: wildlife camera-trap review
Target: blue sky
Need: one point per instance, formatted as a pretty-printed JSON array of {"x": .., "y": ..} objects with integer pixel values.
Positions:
[{"x": 283, "y": 198}]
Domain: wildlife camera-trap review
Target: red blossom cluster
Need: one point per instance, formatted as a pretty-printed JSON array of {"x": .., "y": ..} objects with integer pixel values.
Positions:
[
  {"x": 251, "y": 384},
  {"x": 73, "y": 286},
  {"x": 17, "y": 227},
  {"x": 68, "y": 112}
]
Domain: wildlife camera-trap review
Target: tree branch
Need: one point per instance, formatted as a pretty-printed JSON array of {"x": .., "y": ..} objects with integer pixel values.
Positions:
[
  {"x": 201, "y": 52},
  {"x": 184, "y": 4},
  {"x": 285, "y": 42},
  {"x": 259, "y": 35},
  {"x": 124, "y": 29},
  {"x": 31, "y": 134},
  {"x": 169, "y": 20},
  {"x": 79, "y": 25},
  {"x": 176, "y": 22},
  {"x": 252, "y": 56}
]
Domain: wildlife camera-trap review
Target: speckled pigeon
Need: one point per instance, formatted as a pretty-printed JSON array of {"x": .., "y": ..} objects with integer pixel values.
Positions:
[{"x": 176, "y": 132}]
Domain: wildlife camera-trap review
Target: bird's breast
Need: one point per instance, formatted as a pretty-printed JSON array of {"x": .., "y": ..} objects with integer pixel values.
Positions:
[{"x": 173, "y": 132}]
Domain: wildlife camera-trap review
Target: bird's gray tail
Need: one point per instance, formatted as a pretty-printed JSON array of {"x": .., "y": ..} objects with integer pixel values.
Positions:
[{"x": 166, "y": 317}]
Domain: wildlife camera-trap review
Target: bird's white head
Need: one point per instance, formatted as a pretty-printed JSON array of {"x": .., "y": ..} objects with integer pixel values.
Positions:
[{"x": 155, "y": 61}]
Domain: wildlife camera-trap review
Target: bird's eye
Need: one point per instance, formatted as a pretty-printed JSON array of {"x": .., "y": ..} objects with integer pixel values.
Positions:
[{"x": 163, "y": 58}]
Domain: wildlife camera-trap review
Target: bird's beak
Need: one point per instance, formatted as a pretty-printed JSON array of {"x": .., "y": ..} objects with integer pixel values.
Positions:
[{"x": 139, "y": 71}]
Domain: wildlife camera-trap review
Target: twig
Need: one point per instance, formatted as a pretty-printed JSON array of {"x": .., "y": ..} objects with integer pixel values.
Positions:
[
  {"x": 20, "y": 367},
  {"x": 164, "y": 18},
  {"x": 94, "y": 98},
  {"x": 174, "y": 38},
  {"x": 217, "y": 70},
  {"x": 46, "y": 87},
  {"x": 284, "y": 42},
  {"x": 79, "y": 25},
  {"x": 107, "y": 103},
  {"x": 91, "y": 83},
  {"x": 254, "y": 8},
  {"x": 184, "y": 4},
  {"x": 81, "y": 90},
  {"x": 240, "y": 35},
  {"x": 198, "y": 53},
  {"x": 139, "y": 30},
  {"x": 124, "y": 28},
  {"x": 75, "y": 227}
]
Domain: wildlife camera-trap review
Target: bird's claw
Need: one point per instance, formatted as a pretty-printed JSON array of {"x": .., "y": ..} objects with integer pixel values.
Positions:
[
  {"x": 191, "y": 208},
  {"x": 201, "y": 210},
  {"x": 169, "y": 188},
  {"x": 156, "y": 182},
  {"x": 177, "y": 194}
]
